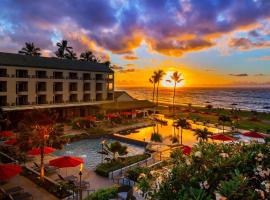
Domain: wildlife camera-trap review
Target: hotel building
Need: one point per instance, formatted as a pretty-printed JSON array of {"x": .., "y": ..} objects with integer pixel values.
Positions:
[{"x": 70, "y": 87}]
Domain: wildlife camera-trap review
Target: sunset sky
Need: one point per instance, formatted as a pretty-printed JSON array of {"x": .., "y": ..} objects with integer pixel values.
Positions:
[{"x": 213, "y": 43}]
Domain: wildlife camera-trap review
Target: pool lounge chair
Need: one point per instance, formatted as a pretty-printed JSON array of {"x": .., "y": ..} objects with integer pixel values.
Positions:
[
  {"x": 84, "y": 184},
  {"x": 47, "y": 168},
  {"x": 12, "y": 190},
  {"x": 70, "y": 178},
  {"x": 21, "y": 196}
]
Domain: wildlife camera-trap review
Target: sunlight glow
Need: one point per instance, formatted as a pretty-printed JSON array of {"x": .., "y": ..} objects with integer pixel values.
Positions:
[{"x": 168, "y": 82}]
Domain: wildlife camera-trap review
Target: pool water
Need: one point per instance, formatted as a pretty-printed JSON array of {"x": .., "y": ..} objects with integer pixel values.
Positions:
[{"x": 87, "y": 150}]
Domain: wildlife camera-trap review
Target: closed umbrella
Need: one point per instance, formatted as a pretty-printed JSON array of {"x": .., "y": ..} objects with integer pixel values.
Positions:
[
  {"x": 6, "y": 134},
  {"x": 36, "y": 151},
  {"x": 7, "y": 171}
]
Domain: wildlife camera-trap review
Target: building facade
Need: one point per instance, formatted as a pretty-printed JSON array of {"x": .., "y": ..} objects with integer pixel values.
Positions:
[{"x": 28, "y": 82}]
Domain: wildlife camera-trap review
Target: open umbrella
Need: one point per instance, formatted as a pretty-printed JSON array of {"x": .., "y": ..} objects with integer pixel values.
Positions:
[
  {"x": 186, "y": 149},
  {"x": 66, "y": 161},
  {"x": 9, "y": 170},
  {"x": 221, "y": 137},
  {"x": 90, "y": 118},
  {"x": 36, "y": 151},
  {"x": 10, "y": 141},
  {"x": 6, "y": 134},
  {"x": 111, "y": 115},
  {"x": 253, "y": 135}
]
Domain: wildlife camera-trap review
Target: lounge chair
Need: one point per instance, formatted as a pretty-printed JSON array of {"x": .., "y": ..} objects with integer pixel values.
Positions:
[
  {"x": 84, "y": 184},
  {"x": 21, "y": 196},
  {"x": 70, "y": 178},
  {"x": 47, "y": 168},
  {"x": 12, "y": 190}
]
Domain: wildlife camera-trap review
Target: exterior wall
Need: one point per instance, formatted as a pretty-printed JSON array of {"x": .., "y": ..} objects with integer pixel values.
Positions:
[
  {"x": 124, "y": 97},
  {"x": 12, "y": 93}
]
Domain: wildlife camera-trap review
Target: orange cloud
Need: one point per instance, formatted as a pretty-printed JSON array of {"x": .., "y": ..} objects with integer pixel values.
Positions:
[{"x": 130, "y": 57}]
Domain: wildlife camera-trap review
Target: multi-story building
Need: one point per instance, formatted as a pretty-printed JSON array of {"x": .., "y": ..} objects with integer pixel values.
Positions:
[{"x": 68, "y": 86}]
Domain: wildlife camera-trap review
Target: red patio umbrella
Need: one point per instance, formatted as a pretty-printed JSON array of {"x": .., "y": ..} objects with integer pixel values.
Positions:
[
  {"x": 186, "y": 149},
  {"x": 6, "y": 134},
  {"x": 111, "y": 115},
  {"x": 9, "y": 170},
  {"x": 10, "y": 141},
  {"x": 90, "y": 118},
  {"x": 221, "y": 137},
  {"x": 253, "y": 135},
  {"x": 36, "y": 151},
  {"x": 66, "y": 161}
]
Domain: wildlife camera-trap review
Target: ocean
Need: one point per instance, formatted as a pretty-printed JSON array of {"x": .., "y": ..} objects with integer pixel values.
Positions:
[{"x": 245, "y": 98}]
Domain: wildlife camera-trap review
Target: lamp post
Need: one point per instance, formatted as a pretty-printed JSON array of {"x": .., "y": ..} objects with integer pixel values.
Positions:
[
  {"x": 102, "y": 148},
  {"x": 80, "y": 174}
]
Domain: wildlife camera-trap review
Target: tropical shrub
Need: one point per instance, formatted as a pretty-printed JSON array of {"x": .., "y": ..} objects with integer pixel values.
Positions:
[
  {"x": 134, "y": 173},
  {"x": 103, "y": 194},
  {"x": 214, "y": 171}
]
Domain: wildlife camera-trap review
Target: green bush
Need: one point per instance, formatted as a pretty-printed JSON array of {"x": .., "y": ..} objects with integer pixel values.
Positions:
[
  {"x": 134, "y": 173},
  {"x": 104, "y": 169},
  {"x": 103, "y": 194}
]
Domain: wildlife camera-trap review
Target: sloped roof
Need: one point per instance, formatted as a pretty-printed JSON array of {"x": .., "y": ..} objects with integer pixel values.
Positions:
[
  {"x": 120, "y": 93},
  {"x": 126, "y": 105},
  {"x": 11, "y": 59}
]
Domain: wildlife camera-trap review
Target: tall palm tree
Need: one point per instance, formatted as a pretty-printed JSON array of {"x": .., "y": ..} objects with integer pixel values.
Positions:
[
  {"x": 153, "y": 81},
  {"x": 184, "y": 124},
  {"x": 63, "y": 49},
  {"x": 158, "y": 75},
  {"x": 87, "y": 56},
  {"x": 176, "y": 78},
  {"x": 30, "y": 50},
  {"x": 223, "y": 119},
  {"x": 202, "y": 134},
  {"x": 71, "y": 55}
]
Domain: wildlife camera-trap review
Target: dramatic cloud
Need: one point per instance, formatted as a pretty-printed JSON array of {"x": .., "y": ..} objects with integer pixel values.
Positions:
[
  {"x": 130, "y": 57},
  {"x": 239, "y": 75},
  {"x": 122, "y": 69},
  {"x": 168, "y": 27}
]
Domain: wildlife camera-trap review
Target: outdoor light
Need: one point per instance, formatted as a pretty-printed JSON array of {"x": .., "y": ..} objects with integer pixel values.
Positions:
[{"x": 80, "y": 174}]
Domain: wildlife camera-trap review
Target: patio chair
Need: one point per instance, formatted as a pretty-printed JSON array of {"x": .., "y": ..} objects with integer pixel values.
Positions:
[
  {"x": 12, "y": 190},
  {"x": 47, "y": 168},
  {"x": 21, "y": 196},
  {"x": 84, "y": 184},
  {"x": 70, "y": 178}
]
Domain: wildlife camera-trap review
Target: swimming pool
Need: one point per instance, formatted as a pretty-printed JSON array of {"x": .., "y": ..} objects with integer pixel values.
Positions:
[{"x": 87, "y": 150}]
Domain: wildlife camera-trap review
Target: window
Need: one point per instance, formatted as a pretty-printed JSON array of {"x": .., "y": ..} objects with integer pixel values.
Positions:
[
  {"x": 41, "y": 99},
  {"x": 22, "y": 86},
  {"x": 3, "y": 72},
  {"x": 99, "y": 86},
  {"x": 86, "y": 76},
  {"x": 3, "y": 86},
  {"x": 73, "y": 75},
  {"x": 41, "y": 74},
  {"x": 21, "y": 73},
  {"x": 41, "y": 86},
  {"x": 110, "y": 96},
  {"x": 86, "y": 97},
  {"x": 58, "y": 98},
  {"x": 3, "y": 100},
  {"x": 58, "y": 75},
  {"x": 99, "y": 77},
  {"x": 110, "y": 86},
  {"x": 110, "y": 76},
  {"x": 99, "y": 97},
  {"x": 73, "y": 98},
  {"x": 58, "y": 87},
  {"x": 72, "y": 86},
  {"x": 86, "y": 87},
  {"x": 22, "y": 100}
]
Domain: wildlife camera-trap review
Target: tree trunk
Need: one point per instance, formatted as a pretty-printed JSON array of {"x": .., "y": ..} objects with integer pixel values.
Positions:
[
  {"x": 174, "y": 96},
  {"x": 42, "y": 162},
  {"x": 157, "y": 94},
  {"x": 154, "y": 92},
  {"x": 181, "y": 136}
]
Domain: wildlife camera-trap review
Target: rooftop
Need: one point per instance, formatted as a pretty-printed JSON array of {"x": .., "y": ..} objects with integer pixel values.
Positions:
[
  {"x": 120, "y": 93},
  {"x": 11, "y": 59}
]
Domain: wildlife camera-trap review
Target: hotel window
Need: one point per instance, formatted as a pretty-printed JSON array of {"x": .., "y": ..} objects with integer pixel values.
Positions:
[
  {"x": 22, "y": 100},
  {"x": 86, "y": 76},
  {"x": 58, "y": 87},
  {"x": 99, "y": 86},
  {"x": 110, "y": 76},
  {"x": 73, "y": 75},
  {"x": 22, "y": 86},
  {"x": 21, "y": 73},
  {"x": 3, "y": 86},
  {"x": 109, "y": 86},
  {"x": 86, "y": 87},
  {"x": 41, "y": 86},
  {"x": 73, "y": 98},
  {"x": 72, "y": 86},
  {"x": 41, "y": 74},
  {"x": 99, "y": 76},
  {"x": 41, "y": 99},
  {"x": 86, "y": 97},
  {"x": 110, "y": 96},
  {"x": 3, "y": 100},
  {"x": 58, "y": 75},
  {"x": 3, "y": 72},
  {"x": 58, "y": 98},
  {"x": 99, "y": 97}
]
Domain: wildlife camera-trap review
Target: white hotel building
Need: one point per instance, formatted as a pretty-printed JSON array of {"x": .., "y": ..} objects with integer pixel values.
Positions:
[{"x": 71, "y": 87}]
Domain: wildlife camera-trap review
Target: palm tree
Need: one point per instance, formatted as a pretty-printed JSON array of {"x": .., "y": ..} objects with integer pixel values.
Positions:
[
  {"x": 71, "y": 55},
  {"x": 184, "y": 124},
  {"x": 63, "y": 49},
  {"x": 223, "y": 119},
  {"x": 202, "y": 134},
  {"x": 35, "y": 130},
  {"x": 114, "y": 148},
  {"x": 176, "y": 78},
  {"x": 30, "y": 50},
  {"x": 153, "y": 81},
  {"x": 87, "y": 56},
  {"x": 158, "y": 75}
]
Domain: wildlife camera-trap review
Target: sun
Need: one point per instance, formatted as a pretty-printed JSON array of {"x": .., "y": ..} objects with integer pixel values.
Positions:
[{"x": 168, "y": 82}]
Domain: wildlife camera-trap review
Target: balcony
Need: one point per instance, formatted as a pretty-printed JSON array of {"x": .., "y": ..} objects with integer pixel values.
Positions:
[
  {"x": 41, "y": 74},
  {"x": 73, "y": 76},
  {"x": 86, "y": 76},
  {"x": 21, "y": 87},
  {"x": 58, "y": 75},
  {"x": 41, "y": 87},
  {"x": 22, "y": 100},
  {"x": 22, "y": 74},
  {"x": 99, "y": 77}
]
